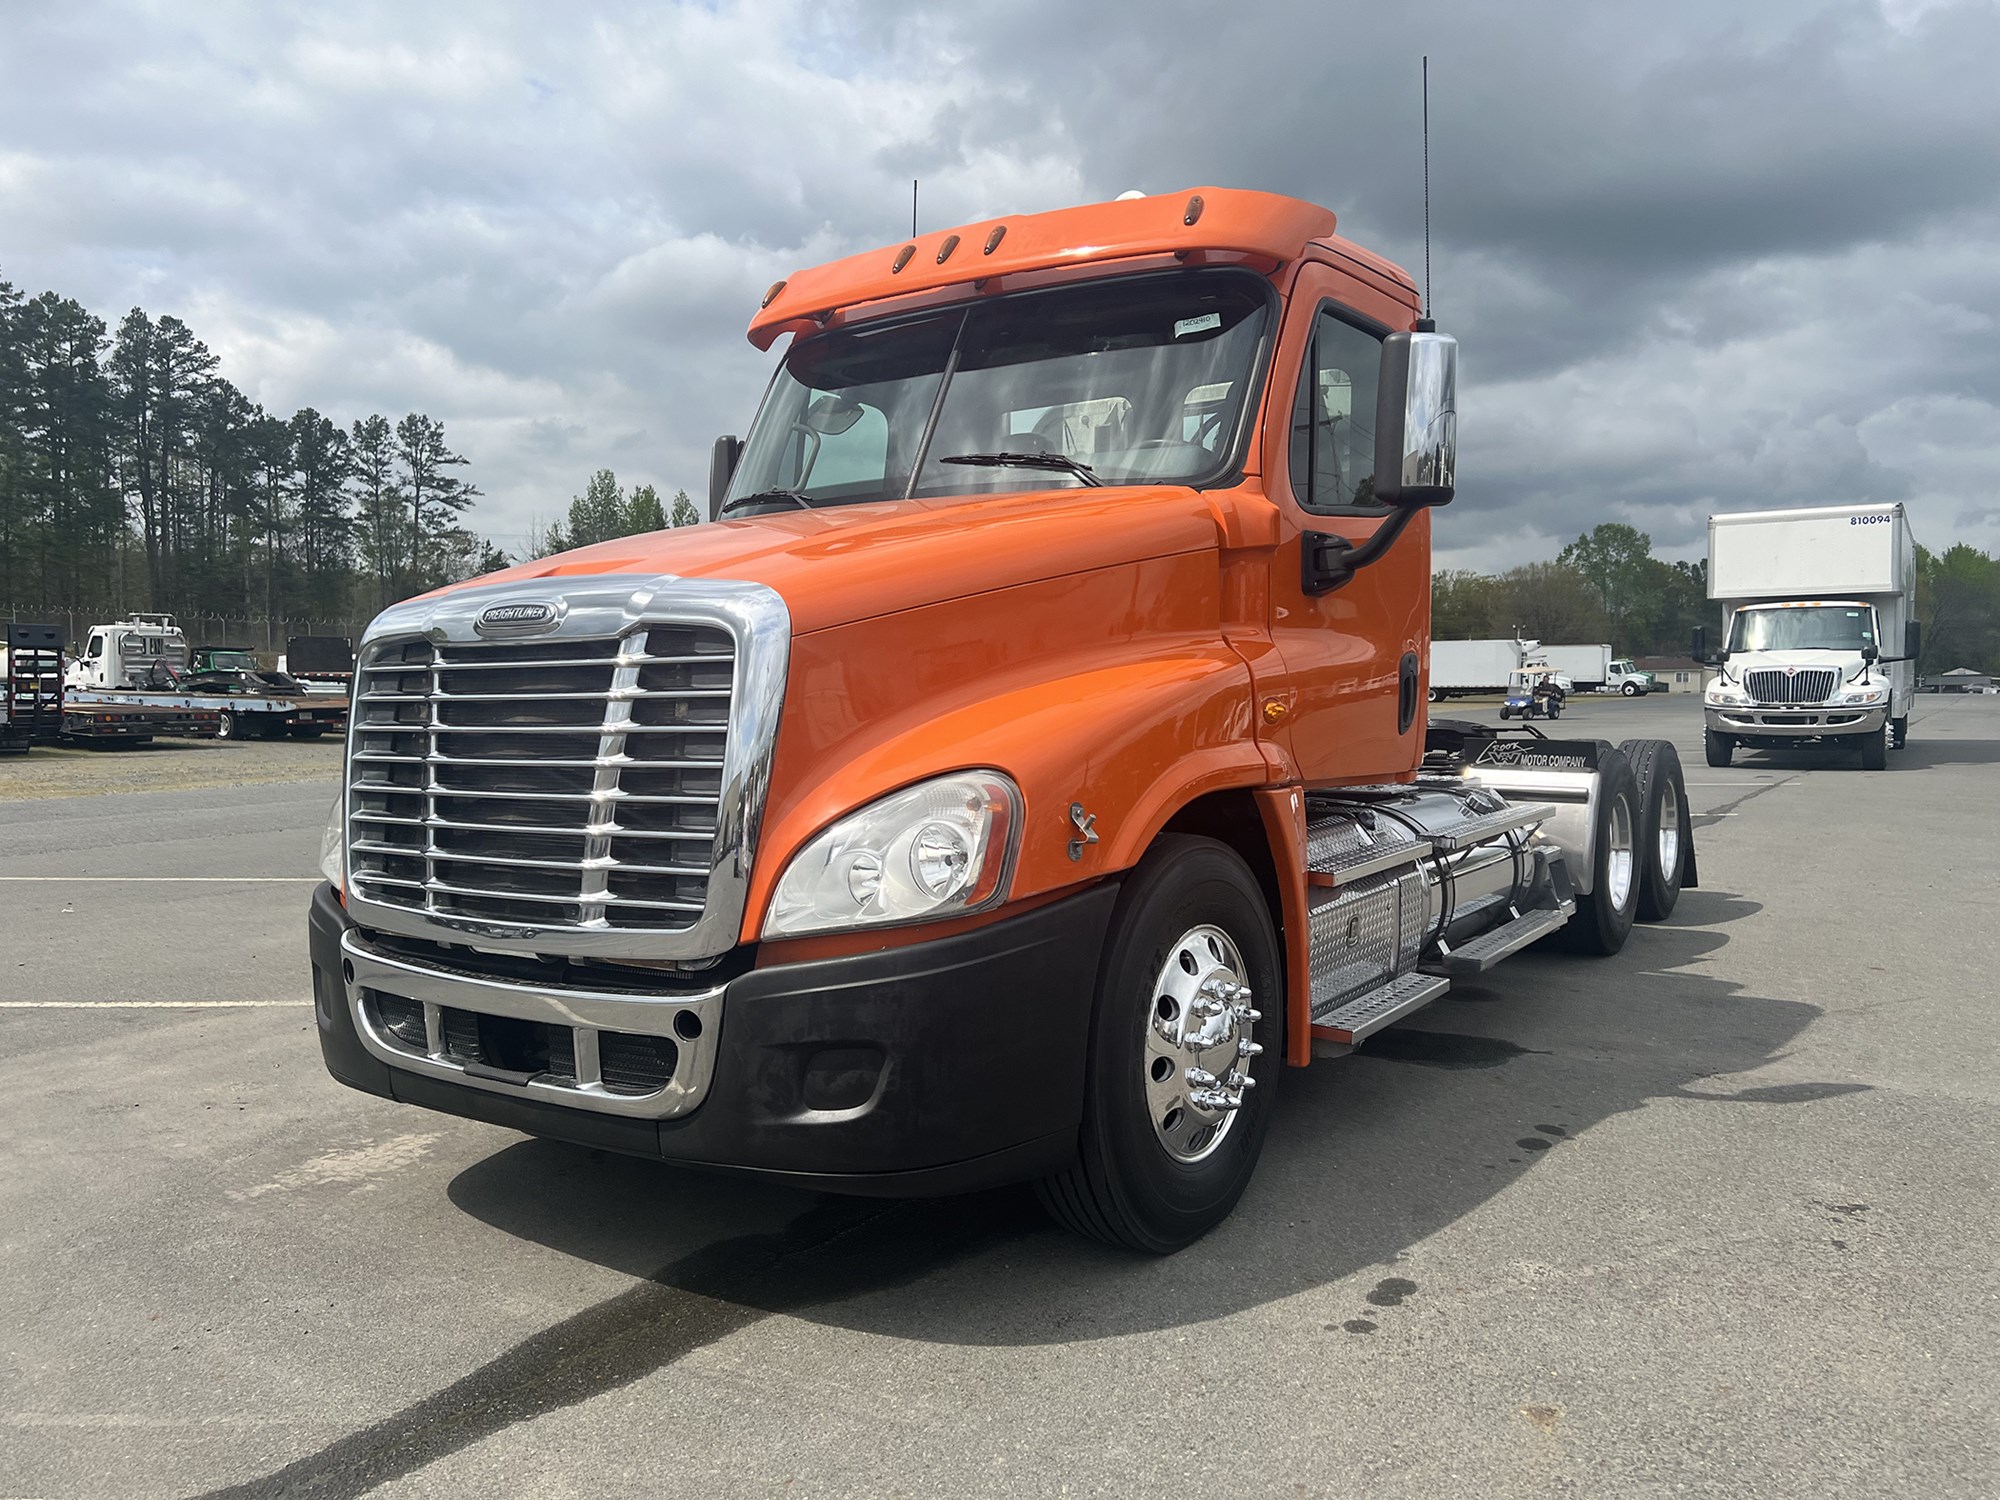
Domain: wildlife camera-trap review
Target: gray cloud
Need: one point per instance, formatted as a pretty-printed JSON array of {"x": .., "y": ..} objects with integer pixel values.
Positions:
[{"x": 1714, "y": 258}]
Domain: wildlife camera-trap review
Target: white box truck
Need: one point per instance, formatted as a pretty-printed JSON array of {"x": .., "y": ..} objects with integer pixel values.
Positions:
[
  {"x": 1820, "y": 635},
  {"x": 1462, "y": 668},
  {"x": 1593, "y": 669}
]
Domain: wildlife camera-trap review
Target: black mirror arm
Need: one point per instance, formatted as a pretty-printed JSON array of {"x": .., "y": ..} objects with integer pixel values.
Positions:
[{"x": 1326, "y": 560}]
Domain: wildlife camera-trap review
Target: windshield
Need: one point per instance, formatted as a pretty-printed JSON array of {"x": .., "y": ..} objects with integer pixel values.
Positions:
[
  {"x": 1815, "y": 627},
  {"x": 1132, "y": 381},
  {"x": 231, "y": 661}
]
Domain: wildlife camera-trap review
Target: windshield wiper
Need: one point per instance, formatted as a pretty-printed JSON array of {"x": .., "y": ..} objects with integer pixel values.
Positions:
[
  {"x": 1060, "y": 463},
  {"x": 762, "y": 495}
]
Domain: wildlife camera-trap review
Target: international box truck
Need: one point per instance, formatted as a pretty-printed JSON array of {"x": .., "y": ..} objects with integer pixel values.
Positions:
[
  {"x": 1461, "y": 669},
  {"x": 1593, "y": 669},
  {"x": 1819, "y": 631},
  {"x": 1024, "y": 769}
]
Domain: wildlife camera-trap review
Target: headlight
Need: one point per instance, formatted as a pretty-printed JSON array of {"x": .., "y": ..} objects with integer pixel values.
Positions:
[
  {"x": 1726, "y": 696},
  {"x": 1864, "y": 695},
  {"x": 939, "y": 849},
  {"x": 332, "y": 847}
]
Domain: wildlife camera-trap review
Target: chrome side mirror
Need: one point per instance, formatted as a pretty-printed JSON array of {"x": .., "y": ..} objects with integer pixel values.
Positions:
[{"x": 1416, "y": 420}]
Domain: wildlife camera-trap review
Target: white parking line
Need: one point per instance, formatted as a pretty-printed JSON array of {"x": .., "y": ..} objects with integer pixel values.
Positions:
[
  {"x": 175, "y": 879},
  {"x": 150, "y": 1004}
]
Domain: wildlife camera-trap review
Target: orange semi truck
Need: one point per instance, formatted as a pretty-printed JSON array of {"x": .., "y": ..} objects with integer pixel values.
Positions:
[{"x": 1027, "y": 765}]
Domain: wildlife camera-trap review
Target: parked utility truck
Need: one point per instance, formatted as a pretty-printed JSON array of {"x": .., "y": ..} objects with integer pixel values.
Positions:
[
  {"x": 1810, "y": 598},
  {"x": 1593, "y": 669},
  {"x": 1461, "y": 669},
  {"x": 1027, "y": 766}
]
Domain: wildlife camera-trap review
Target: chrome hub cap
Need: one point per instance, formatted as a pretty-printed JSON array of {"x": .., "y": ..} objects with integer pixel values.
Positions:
[
  {"x": 1670, "y": 831},
  {"x": 1619, "y": 866},
  {"x": 1198, "y": 1044}
]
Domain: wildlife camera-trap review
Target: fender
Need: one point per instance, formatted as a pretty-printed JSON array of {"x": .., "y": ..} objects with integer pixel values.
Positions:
[{"x": 1114, "y": 690}]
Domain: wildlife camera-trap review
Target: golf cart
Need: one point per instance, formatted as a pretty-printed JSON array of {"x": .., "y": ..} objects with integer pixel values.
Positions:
[{"x": 1533, "y": 692}]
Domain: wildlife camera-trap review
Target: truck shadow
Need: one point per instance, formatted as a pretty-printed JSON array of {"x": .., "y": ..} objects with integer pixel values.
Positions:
[
  {"x": 1367, "y": 1156},
  {"x": 1921, "y": 754}
]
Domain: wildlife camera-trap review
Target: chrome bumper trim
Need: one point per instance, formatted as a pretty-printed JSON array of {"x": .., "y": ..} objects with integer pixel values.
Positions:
[{"x": 588, "y": 1013}]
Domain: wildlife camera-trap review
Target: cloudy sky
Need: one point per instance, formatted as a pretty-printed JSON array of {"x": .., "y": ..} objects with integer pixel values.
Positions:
[{"x": 1706, "y": 256}]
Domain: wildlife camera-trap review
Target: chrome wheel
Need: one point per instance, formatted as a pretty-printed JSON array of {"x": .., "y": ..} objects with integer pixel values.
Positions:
[
  {"x": 1622, "y": 863},
  {"x": 1670, "y": 830},
  {"x": 1198, "y": 1043}
]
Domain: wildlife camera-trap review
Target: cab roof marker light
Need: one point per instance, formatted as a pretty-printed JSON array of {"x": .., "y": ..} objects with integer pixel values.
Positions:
[
  {"x": 772, "y": 295},
  {"x": 993, "y": 240},
  {"x": 944, "y": 251},
  {"x": 902, "y": 259},
  {"x": 1194, "y": 208}
]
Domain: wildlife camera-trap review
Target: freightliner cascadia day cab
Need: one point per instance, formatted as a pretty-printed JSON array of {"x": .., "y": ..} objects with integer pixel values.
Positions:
[
  {"x": 1026, "y": 765},
  {"x": 1811, "y": 596}
]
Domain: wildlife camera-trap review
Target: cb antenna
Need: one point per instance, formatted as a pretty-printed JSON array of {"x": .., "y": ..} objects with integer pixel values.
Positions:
[
  {"x": 1427, "y": 324},
  {"x": 913, "y": 208}
]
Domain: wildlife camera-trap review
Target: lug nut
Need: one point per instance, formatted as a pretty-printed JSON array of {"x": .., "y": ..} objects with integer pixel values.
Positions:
[
  {"x": 1201, "y": 1078},
  {"x": 1249, "y": 1049}
]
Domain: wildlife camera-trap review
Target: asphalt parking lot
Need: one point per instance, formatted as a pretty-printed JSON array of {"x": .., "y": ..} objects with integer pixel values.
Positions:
[{"x": 1716, "y": 1216}]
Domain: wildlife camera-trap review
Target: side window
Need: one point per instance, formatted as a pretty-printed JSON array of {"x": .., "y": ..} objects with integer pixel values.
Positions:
[
  {"x": 96, "y": 646},
  {"x": 1333, "y": 418}
]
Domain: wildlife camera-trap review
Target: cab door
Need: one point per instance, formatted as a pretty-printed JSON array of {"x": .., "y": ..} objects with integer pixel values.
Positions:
[{"x": 1357, "y": 656}]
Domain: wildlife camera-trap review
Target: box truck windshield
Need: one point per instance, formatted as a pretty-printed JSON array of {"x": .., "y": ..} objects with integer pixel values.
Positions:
[{"x": 1825, "y": 627}]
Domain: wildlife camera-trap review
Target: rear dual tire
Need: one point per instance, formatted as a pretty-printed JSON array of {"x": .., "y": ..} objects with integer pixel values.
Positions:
[
  {"x": 1666, "y": 837},
  {"x": 1603, "y": 919}
]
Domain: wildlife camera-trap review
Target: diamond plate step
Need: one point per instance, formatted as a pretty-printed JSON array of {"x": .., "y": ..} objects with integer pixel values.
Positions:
[
  {"x": 1369, "y": 859},
  {"x": 1486, "y": 950},
  {"x": 1378, "y": 1008}
]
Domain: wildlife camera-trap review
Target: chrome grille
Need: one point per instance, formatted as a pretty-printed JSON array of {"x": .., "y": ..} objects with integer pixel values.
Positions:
[
  {"x": 556, "y": 784},
  {"x": 1805, "y": 685}
]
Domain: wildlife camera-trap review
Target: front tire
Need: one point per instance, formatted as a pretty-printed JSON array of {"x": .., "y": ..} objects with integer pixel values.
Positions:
[
  {"x": 1875, "y": 750},
  {"x": 1604, "y": 918},
  {"x": 1630, "y": 690},
  {"x": 1720, "y": 747},
  {"x": 1161, "y": 1158}
]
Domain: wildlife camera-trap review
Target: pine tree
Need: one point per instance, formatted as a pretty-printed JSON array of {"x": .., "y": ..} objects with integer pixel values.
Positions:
[
  {"x": 378, "y": 503},
  {"x": 320, "y": 466},
  {"x": 435, "y": 495},
  {"x": 598, "y": 514},
  {"x": 644, "y": 513},
  {"x": 684, "y": 512}
]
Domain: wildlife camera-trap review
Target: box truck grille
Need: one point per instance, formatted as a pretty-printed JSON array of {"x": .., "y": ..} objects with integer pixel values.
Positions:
[
  {"x": 1805, "y": 685},
  {"x": 570, "y": 784}
]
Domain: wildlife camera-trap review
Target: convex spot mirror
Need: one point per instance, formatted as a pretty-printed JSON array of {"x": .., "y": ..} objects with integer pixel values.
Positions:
[
  {"x": 1416, "y": 420},
  {"x": 832, "y": 415}
]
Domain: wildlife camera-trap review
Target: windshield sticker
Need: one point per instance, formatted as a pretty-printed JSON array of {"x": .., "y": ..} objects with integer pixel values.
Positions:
[{"x": 1201, "y": 324}]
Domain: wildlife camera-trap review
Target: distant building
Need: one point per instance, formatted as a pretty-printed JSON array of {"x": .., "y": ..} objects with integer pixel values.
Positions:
[
  {"x": 1671, "y": 674},
  {"x": 1961, "y": 680}
]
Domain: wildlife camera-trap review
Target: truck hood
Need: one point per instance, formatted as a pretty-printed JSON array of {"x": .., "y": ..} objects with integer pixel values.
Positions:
[
  {"x": 852, "y": 562},
  {"x": 1848, "y": 663}
]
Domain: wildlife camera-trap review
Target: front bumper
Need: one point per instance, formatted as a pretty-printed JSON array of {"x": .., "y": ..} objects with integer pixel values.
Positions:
[
  {"x": 936, "y": 1067},
  {"x": 1764, "y": 722}
]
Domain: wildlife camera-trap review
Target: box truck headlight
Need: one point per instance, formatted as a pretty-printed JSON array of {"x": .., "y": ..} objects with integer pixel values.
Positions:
[
  {"x": 1864, "y": 695},
  {"x": 942, "y": 848},
  {"x": 1720, "y": 692},
  {"x": 332, "y": 848}
]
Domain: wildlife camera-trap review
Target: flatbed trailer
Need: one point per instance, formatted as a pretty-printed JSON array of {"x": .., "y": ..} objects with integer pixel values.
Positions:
[
  {"x": 105, "y": 712},
  {"x": 96, "y": 717}
]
